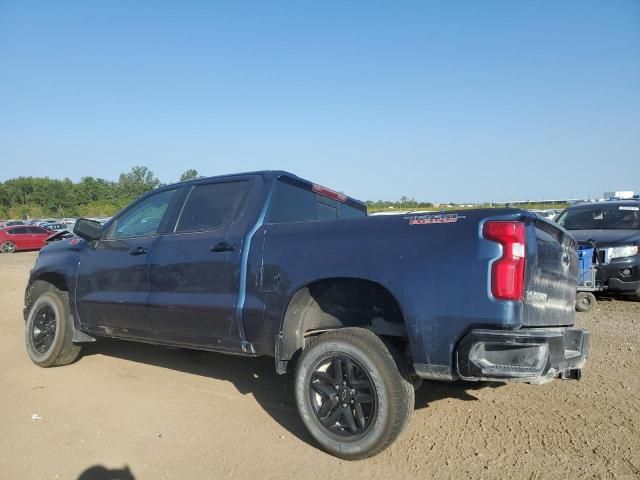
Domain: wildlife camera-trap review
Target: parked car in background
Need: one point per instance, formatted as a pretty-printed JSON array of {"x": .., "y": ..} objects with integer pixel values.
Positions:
[
  {"x": 55, "y": 227},
  {"x": 547, "y": 214},
  {"x": 10, "y": 223},
  {"x": 69, "y": 222},
  {"x": 22, "y": 237},
  {"x": 613, "y": 228}
]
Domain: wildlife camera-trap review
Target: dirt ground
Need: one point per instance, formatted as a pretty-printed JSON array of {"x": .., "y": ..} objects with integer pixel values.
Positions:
[{"x": 146, "y": 412}]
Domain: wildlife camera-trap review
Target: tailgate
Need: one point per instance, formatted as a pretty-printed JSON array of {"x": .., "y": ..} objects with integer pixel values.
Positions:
[{"x": 551, "y": 277}]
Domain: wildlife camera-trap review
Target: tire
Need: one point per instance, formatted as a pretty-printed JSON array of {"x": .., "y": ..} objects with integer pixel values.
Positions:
[
  {"x": 416, "y": 382},
  {"x": 8, "y": 247},
  {"x": 49, "y": 327},
  {"x": 585, "y": 301},
  {"x": 372, "y": 405}
]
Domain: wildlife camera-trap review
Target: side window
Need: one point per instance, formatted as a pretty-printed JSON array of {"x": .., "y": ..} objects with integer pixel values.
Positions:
[
  {"x": 19, "y": 231},
  {"x": 38, "y": 230},
  {"x": 212, "y": 205},
  {"x": 143, "y": 219},
  {"x": 561, "y": 219}
]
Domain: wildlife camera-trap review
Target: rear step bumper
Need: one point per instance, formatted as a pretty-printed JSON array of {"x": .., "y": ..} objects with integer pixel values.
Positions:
[{"x": 534, "y": 355}]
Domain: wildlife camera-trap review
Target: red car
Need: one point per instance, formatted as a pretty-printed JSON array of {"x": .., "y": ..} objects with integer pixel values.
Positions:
[{"x": 23, "y": 238}]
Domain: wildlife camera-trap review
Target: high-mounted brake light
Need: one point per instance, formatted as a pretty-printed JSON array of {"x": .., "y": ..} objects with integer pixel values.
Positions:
[
  {"x": 327, "y": 192},
  {"x": 507, "y": 272}
]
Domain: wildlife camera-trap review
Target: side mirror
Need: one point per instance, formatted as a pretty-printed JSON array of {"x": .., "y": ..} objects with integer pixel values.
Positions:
[{"x": 87, "y": 229}]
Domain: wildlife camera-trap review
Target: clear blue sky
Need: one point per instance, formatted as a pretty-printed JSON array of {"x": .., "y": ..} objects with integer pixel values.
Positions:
[{"x": 441, "y": 101}]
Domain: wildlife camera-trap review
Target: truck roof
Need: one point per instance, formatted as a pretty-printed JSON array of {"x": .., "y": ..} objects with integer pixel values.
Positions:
[{"x": 292, "y": 179}]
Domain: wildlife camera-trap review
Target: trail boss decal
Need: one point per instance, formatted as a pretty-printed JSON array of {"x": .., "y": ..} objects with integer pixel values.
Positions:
[{"x": 430, "y": 219}]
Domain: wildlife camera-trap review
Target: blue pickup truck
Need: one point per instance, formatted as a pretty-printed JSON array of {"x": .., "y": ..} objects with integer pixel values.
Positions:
[{"x": 359, "y": 308}]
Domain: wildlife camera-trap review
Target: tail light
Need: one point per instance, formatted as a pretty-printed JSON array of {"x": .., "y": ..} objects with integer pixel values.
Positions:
[{"x": 507, "y": 272}]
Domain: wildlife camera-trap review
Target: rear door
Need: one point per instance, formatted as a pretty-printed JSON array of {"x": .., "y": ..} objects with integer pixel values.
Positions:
[
  {"x": 22, "y": 238},
  {"x": 113, "y": 276},
  {"x": 194, "y": 269},
  {"x": 38, "y": 236}
]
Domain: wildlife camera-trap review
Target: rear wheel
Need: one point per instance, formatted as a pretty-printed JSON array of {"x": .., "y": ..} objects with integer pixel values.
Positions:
[
  {"x": 353, "y": 393},
  {"x": 49, "y": 327},
  {"x": 585, "y": 301},
  {"x": 8, "y": 247}
]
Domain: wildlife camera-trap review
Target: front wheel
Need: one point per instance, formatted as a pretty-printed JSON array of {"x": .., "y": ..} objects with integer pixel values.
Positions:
[
  {"x": 49, "y": 327},
  {"x": 354, "y": 397}
]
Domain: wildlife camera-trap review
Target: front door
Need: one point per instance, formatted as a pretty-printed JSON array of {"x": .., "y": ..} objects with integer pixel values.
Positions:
[
  {"x": 113, "y": 276},
  {"x": 194, "y": 271},
  {"x": 22, "y": 238}
]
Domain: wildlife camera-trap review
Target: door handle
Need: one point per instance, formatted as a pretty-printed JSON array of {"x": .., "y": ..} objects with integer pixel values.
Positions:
[
  {"x": 139, "y": 251},
  {"x": 223, "y": 247}
]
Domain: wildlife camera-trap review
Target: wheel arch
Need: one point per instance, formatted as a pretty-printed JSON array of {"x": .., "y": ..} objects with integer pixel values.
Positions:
[
  {"x": 333, "y": 303},
  {"x": 61, "y": 282},
  {"x": 56, "y": 279}
]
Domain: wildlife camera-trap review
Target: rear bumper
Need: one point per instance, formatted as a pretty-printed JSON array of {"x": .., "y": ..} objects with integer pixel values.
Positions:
[{"x": 534, "y": 355}]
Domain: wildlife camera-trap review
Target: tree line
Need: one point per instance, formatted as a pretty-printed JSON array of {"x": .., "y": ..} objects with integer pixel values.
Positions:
[
  {"x": 38, "y": 197},
  {"x": 41, "y": 197},
  {"x": 404, "y": 203}
]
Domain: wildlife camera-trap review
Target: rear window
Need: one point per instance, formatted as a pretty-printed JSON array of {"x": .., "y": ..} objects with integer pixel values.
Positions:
[
  {"x": 295, "y": 204},
  {"x": 212, "y": 205},
  {"x": 326, "y": 212},
  {"x": 602, "y": 217}
]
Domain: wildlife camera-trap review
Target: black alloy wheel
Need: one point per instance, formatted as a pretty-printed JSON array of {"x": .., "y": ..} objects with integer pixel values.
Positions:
[
  {"x": 353, "y": 392},
  {"x": 343, "y": 396},
  {"x": 49, "y": 326},
  {"x": 43, "y": 328}
]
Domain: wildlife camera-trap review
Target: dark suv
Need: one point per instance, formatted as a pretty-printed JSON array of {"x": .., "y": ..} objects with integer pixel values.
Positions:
[{"x": 614, "y": 228}]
